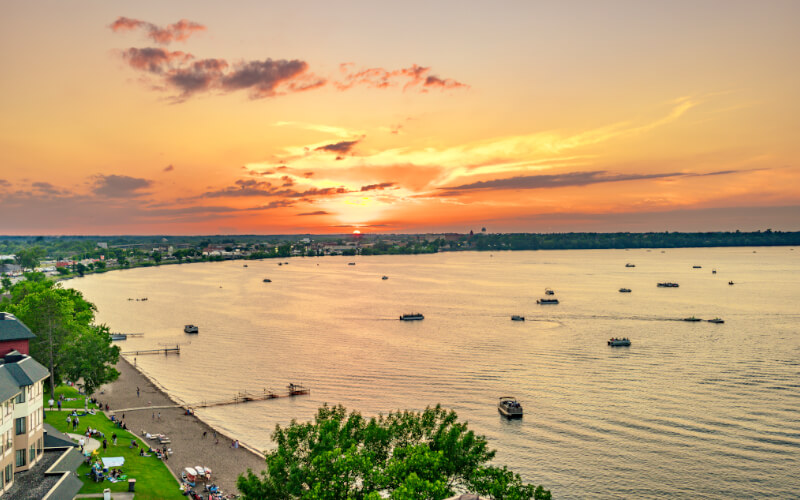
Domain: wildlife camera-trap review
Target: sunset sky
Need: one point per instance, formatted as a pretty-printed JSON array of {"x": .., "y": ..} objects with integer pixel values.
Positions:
[{"x": 401, "y": 117}]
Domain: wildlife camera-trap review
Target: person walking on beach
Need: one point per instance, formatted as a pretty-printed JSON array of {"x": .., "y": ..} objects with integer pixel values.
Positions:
[
  {"x": 159, "y": 415},
  {"x": 204, "y": 434},
  {"x": 137, "y": 392},
  {"x": 154, "y": 415}
]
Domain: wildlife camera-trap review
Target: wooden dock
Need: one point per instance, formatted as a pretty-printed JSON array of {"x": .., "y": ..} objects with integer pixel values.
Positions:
[
  {"x": 165, "y": 351},
  {"x": 240, "y": 397}
]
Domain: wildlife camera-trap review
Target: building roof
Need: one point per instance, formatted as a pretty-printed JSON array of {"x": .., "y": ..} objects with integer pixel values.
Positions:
[
  {"x": 13, "y": 329},
  {"x": 53, "y": 438},
  {"x": 24, "y": 369},
  {"x": 8, "y": 385}
]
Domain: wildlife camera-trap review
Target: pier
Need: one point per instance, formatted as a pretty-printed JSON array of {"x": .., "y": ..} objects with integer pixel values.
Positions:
[
  {"x": 240, "y": 397},
  {"x": 165, "y": 351}
]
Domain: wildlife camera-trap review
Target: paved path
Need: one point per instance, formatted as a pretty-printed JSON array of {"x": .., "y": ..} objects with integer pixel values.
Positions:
[{"x": 91, "y": 443}]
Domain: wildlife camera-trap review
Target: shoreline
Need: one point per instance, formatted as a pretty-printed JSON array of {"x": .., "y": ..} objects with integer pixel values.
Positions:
[{"x": 188, "y": 445}]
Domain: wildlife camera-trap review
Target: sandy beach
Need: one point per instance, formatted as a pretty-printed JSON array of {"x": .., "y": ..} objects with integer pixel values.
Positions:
[{"x": 188, "y": 445}]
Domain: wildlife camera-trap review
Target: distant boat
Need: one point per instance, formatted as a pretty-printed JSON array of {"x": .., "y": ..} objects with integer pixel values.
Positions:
[
  {"x": 667, "y": 284},
  {"x": 244, "y": 265},
  {"x": 385, "y": 278},
  {"x": 547, "y": 301},
  {"x": 191, "y": 329},
  {"x": 631, "y": 265},
  {"x": 692, "y": 319},
  {"x": 286, "y": 263},
  {"x": 549, "y": 291},
  {"x": 411, "y": 317},
  {"x": 517, "y": 318},
  {"x": 280, "y": 263},
  {"x": 351, "y": 263},
  {"x": 713, "y": 271},
  {"x": 615, "y": 342},
  {"x": 267, "y": 280},
  {"x": 119, "y": 336},
  {"x": 697, "y": 267},
  {"x": 624, "y": 290},
  {"x": 509, "y": 407},
  {"x": 716, "y": 320},
  {"x": 297, "y": 390},
  {"x": 730, "y": 282}
]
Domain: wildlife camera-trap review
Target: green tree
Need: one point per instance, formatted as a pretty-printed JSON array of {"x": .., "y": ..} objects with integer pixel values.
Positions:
[
  {"x": 5, "y": 283},
  {"x": 28, "y": 258},
  {"x": 88, "y": 355},
  {"x": 54, "y": 315},
  {"x": 156, "y": 256},
  {"x": 427, "y": 455}
]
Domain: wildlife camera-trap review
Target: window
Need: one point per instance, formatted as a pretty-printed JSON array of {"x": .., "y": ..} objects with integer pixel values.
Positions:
[
  {"x": 9, "y": 473},
  {"x": 32, "y": 453},
  {"x": 21, "y": 428},
  {"x": 20, "y": 397},
  {"x": 39, "y": 446},
  {"x": 20, "y": 458}
]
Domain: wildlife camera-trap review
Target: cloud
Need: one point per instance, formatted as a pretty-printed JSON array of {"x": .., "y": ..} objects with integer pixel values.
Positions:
[
  {"x": 176, "y": 32},
  {"x": 168, "y": 168},
  {"x": 342, "y": 147},
  {"x": 414, "y": 76},
  {"x": 379, "y": 187},
  {"x": 120, "y": 186},
  {"x": 154, "y": 60},
  {"x": 569, "y": 179},
  {"x": 45, "y": 187},
  {"x": 318, "y": 212}
]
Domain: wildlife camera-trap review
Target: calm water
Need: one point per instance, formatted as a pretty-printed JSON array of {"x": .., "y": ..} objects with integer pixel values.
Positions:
[{"x": 694, "y": 410}]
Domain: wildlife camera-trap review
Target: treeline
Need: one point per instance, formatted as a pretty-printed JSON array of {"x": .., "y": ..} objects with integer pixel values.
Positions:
[{"x": 570, "y": 241}]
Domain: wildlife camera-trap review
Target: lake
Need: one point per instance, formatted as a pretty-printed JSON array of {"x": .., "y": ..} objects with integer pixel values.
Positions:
[{"x": 690, "y": 409}]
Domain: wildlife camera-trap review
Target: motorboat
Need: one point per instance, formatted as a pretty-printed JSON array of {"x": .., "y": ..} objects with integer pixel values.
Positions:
[
  {"x": 517, "y": 318},
  {"x": 549, "y": 291},
  {"x": 716, "y": 320},
  {"x": 384, "y": 277},
  {"x": 730, "y": 282},
  {"x": 631, "y": 265},
  {"x": 244, "y": 265},
  {"x": 692, "y": 319},
  {"x": 411, "y": 317},
  {"x": 351, "y": 263},
  {"x": 697, "y": 267},
  {"x": 119, "y": 336},
  {"x": 624, "y": 290},
  {"x": 615, "y": 342},
  {"x": 509, "y": 407},
  {"x": 280, "y": 263},
  {"x": 191, "y": 329},
  {"x": 267, "y": 280},
  {"x": 667, "y": 284},
  {"x": 547, "y": 301},
  {"x": 713, "y": 271}
]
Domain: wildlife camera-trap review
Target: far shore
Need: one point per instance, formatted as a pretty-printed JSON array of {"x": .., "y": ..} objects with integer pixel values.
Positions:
[{"x": 186, "y": 432}]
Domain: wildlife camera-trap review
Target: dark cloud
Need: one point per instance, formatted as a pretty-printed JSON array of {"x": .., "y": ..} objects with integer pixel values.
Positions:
[
  {"x": 154, "y": 60},
  {"x": 308, "y": 174},
  {"x": 278, "y": 204},
  {"x": 287, "y": 181},
  {"x": 313, "y": 192},
  {"x": 176, "y": 32},
  {"x": 46, "y": 188},
  {"x": 318, "y": 212},
  {"x": 169, "y": 168},
  {"x": 374, "y": 187},
  {"x": 342, "y": 147},
  {"x": 253, "y": 187},
  {"x": 263, "y": 77},
  {"x": 120, "y": 186}
]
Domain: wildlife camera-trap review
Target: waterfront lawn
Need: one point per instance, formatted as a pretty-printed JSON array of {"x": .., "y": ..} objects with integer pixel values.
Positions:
[
  {"x": 68, "y": 392},
  {"x": 153, "y": 479}
]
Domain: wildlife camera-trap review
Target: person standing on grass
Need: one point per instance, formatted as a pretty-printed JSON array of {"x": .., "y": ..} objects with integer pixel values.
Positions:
[
  {"x": 51, "y": 403},
  {"x": 105, "y": 444},
  {"x": 114, "y": 438},
  {"x": 59, "y": 405}
]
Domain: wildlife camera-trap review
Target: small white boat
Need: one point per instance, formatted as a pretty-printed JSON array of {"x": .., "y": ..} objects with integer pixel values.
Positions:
[
  {"x": 615, "y": 342},
  {"x": 191, "y": 329},
  {"x": 717, "y": 321},
  {"x": 517, "y": 318},
  {"x": 549, "y": 291},
  {"x": 509, "y": 407},
  {"x": 412, "y": 317},
  {"x": 547, "y": 301}
]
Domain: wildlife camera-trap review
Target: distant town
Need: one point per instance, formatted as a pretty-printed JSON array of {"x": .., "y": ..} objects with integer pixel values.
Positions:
[{"x": 63, "y": 257}]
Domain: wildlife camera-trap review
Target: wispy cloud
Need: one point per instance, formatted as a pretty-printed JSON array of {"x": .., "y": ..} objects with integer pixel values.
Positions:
[
  {"x": 318, "y": 212},
  {"x": 342, "y": 147},
  {"x": 414, "y": 77},
  {"x": 120, "y": 186},
  {"x": 176, "y": 32}
]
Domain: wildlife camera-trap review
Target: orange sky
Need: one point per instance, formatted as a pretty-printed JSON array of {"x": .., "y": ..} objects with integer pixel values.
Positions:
[{"x": 319, "y": 117}]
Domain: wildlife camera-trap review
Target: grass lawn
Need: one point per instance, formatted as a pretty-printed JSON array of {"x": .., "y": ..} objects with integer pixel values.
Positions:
[
  {"x": 153, "y": 479},
  {"x": 68, "y": 392}
]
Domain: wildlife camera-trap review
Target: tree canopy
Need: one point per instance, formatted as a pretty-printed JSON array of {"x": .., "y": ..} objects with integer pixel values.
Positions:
[
  {"x": 67, "y": 342},
  {"x": 405, "y": 455}
]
